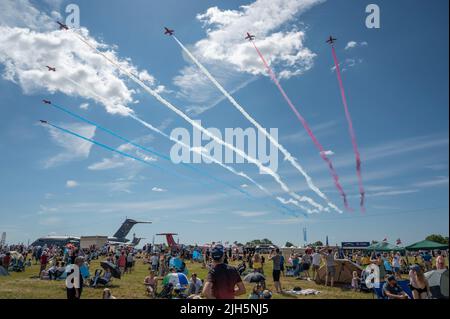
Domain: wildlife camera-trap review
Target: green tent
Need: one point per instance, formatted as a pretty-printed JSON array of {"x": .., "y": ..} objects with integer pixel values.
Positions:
[
  {"x": 384, "y": 246},
  {"x": 426, "y": 245}
]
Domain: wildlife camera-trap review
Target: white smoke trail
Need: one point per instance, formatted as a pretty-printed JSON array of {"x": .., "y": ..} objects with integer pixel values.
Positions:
[
  {"x": 170, "y": 106},
  {"x": 229, "y": 168},
  {"x": 284, "y": 151},
  {"x": 205, "y": 155}
]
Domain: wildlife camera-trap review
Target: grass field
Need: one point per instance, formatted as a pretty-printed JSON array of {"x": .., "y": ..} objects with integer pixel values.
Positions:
[{"x": 24, "y": 286}]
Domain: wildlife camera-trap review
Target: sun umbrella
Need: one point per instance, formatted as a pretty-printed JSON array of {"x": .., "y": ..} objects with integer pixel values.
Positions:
[
  {"x": 176, "y": 279},
  {"x": 115, "y": 272},
  {"x": 254, "y": 277}
]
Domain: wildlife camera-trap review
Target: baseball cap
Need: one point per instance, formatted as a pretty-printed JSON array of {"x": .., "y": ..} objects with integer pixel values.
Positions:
[
  {"x": 390, "y": 278},
  {"x": 415, "y": 267},
  {"x": 217, "y": 252}
]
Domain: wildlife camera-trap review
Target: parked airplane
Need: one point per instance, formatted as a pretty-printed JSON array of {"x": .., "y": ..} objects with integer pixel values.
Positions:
[{"x": 118, "y": 237}]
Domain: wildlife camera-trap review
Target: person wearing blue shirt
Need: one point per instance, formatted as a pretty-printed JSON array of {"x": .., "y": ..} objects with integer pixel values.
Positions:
[{"x": 427, "y": 260}]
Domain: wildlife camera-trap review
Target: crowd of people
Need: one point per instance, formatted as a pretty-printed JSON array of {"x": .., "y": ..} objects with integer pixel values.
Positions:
[{"x": 223, "y": 281}]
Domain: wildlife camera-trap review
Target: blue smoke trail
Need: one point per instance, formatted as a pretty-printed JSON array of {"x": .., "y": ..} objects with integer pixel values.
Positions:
[
  {"x": 146, "y": 148},
  {"x": 132, "y": 156},
  {"x": 116, "y": 150}
]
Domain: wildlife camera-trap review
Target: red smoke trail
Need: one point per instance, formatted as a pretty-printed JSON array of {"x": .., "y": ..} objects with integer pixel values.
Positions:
[
  {"x": 350, "y": 128},
  {"x": 306, "y": 126}
]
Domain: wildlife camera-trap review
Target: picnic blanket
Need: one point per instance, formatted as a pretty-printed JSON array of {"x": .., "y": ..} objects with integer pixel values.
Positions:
[{"x": 303, "y": 292}]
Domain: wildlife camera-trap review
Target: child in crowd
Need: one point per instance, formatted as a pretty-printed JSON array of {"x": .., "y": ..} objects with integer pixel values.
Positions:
[{"x": 355, "y": 281}]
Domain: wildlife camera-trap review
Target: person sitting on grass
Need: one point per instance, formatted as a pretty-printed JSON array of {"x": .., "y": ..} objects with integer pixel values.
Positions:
[
  {"x": 267, "y": 294},
  {"x": 53, "y": 271},
  {"x": 151, "y": 283},
  {"x": 107, "y": 294},
  {"x": 418, "y": 283},
  {"x": 392, "y": 290},
  {"x": 102, "y": 280},
  {"x": 195, "y": 285},
  {"x": 28, "y": 263},
  {"x": 256, "y": 292}
]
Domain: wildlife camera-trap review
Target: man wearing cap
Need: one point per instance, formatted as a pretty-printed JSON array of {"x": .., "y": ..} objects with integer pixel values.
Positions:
[
  {"x": 392, "y": 290},
  {"x": 223, "y": 281}
]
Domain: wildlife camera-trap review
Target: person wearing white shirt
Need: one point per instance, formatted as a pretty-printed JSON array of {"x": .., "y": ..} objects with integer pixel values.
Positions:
[
  {"x": 316, "y": 258},
  {"x": 195, "y": 285}
]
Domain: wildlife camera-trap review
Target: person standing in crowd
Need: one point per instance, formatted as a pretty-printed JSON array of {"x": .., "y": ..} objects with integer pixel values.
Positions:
[
  {"x": 74, "y": 280},
  {"x": 418, "y": 283},
  {"x": 328, "y": 253},
  {"x": 440, "y": 261},
  {"x": 263, "y": 261},
  {"x": 257, "y": 265},
  {"x": 295, "y": 260},
  {"x": 122, "y": 262},
  {"x": 306, "y": 264},
  {"x": 378, "y": 261},
  {"x": 427, "y": 260},
  {"x": 316, "y": 258},
  {"x": 282, "y": 264},
  {"x": 44, "y": 262},
  {"x": 223, "y": 281},
  {"x": 130, "y": 262},
  {"x": 6, "y": 260},
  {"x": 396, "y": 265},
  {"x": 154, "y": 260},
  {"x": 275, "y": 256}
]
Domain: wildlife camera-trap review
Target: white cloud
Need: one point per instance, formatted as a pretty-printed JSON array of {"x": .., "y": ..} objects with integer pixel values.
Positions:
[
  {"x": 84, "y": 106},
  {"x": 229, "y": 56},
  {"x": 71, "y": 184},
  {"x": 348, "y": 63},
  {"x": 29, "y": 40},
  {"x": 106, "y": 163},
  {"x": 49, "y": 196},
  {"x": 123, "y": 186},
  {"x": 158, "y": 190},
  {"x": 21, "y": 13},
  {"x": 354, "y": 44},
  {"x": 350, "y": 45},
  {"x": 250, "y": 214},
  {"x": 74, "y": 147},
  {"x": 286, "y": 221},
  {"x": 55, "y": 4}
]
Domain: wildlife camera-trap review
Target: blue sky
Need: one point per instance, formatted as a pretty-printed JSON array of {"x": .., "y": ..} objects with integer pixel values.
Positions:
[{"x": 396, "y": 79}]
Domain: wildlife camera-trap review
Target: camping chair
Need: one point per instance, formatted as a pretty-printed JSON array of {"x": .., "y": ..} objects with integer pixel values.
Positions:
[
  {"x": 404, "y": 284},
  {"x": 98, "y": 279}
]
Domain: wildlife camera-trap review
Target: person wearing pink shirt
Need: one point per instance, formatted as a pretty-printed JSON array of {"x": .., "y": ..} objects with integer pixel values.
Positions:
[
  {"x": 440, "y": 261},
  {"x": 122, "y": 262}
]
